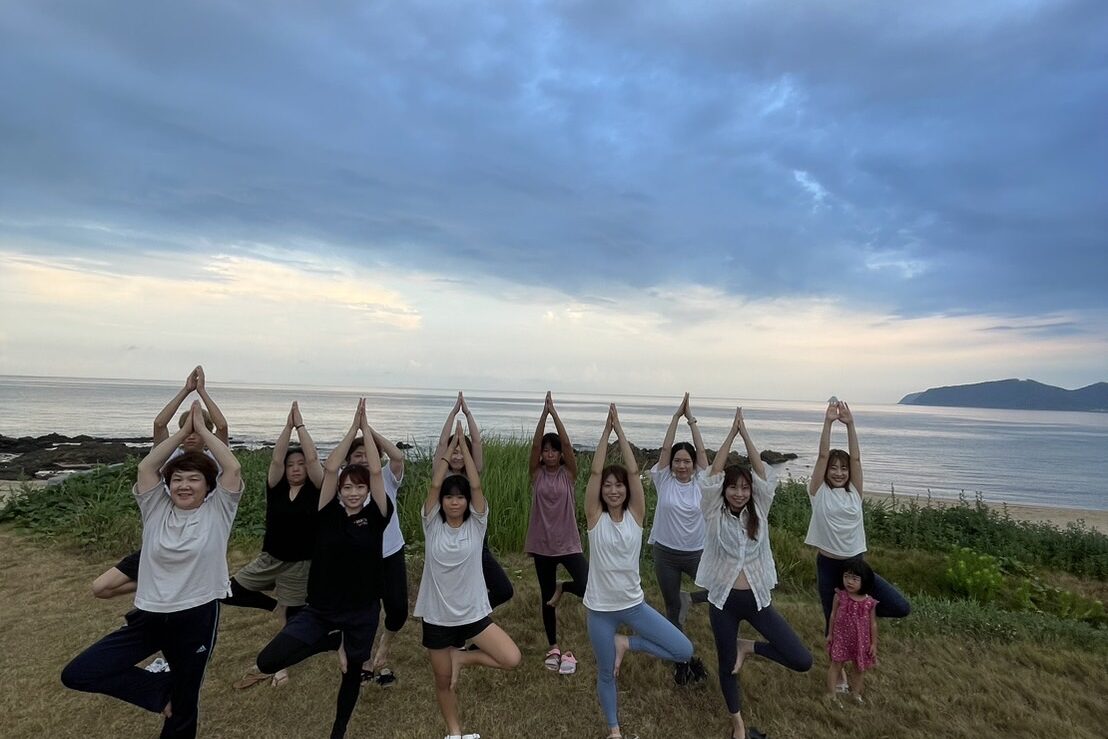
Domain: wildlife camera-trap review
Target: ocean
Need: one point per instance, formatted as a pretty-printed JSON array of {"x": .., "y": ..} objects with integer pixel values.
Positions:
[{"x": 1048, "y": 458}]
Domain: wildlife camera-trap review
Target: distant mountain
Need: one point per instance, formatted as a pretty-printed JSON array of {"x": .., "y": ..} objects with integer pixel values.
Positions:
[{"x": 1015, "y": 394}]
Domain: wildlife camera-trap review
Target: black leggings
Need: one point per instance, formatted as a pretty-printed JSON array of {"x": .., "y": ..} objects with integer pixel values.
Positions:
[
  {"x": 394, "y": 596},
  {"x": 781, "y": 644},
  {"x": 496, "y": 579},
  {"x": 546, "y": 569},
  {"x": 244, "y": 598},
  {"x": 285, "y": 651}
]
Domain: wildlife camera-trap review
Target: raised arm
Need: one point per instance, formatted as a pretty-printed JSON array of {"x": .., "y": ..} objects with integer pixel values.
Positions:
[
  {"x": 698, "y": 440},
  {"x": 671, "y": 434},
  {"x": 231, "y": 477},
  {"x": 568, "y": 457},
  {"x": 438, "y": 474},
  {"x": 149, "y": 469},
  {"x": 477, "y": 496},
  {"x": 725, "y": 448},
  {"x": 373, "y": 462},
  {"x": 593, "y": 508},
  {"x": 474, "y": 435},
  {"x": 536, "y": 443},
  {"x": 852, "y": 440},
  {"x": 819, "y": 469},
  {"x": 637, "y": 503},
  {"x": 307, "y": 445},
  {"x": 218, "y": 419},
  {"x": 280, "y": 449},
  {"x": 752, "y": 453},
  {"x": 444, "y": 436},
  {"x": 392, "y": 451},
  {"x": 161, "y": 421},
  {"x": 337, "y": 456}
]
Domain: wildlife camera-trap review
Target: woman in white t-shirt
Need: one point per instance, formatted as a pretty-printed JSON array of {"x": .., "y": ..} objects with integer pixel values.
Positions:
[
  {"x": 615, "y": 506},
  {"x": 677, "y": 535},
  {"x": 837, "y": 529},
  {"x": 738, "y": 569},
  {"x": 182, "y": 575},
  {"x": 452, "y": 600}
]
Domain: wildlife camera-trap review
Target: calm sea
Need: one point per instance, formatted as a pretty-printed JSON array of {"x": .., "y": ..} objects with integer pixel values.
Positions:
[{"x": 1033, "y": 457}]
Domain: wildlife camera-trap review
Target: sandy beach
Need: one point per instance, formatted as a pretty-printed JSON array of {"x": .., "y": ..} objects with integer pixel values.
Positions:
[{"x": 1038, "y": 514}]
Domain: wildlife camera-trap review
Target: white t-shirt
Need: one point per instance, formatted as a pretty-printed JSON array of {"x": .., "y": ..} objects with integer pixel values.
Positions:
[
  {"x": 728, "y": 551},
  {"x": 452, "y": 590},
  {"x": 614, "y": 582},
  {"x": 836, "y": 525},
  {"x": 678, "y": 523},
  {"x": 392, "y": 540},
  {"x": 184, "y": 553}
]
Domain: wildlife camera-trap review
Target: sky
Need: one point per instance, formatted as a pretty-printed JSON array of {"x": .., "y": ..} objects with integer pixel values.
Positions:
[{"x": 739, "y": 199}]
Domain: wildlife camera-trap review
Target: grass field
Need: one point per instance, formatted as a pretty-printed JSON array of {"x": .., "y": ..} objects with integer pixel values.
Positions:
[{"x": 960, "y": 666}]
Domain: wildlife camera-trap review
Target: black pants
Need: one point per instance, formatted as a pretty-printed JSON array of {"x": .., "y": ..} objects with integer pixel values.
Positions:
[
  {"x": 496, "y": 579},
  {"x": 546, "y": 569},
  {"x": 781, "y": 644},
  {"x": 669, "y": 565},
  {"x": 244, "y": 598},
  {"x": 394, "y": 598},
  {"x": 186, "y": 638},
  {"x": 829, "y": 575},
  {"x": 313, "y": 632}
]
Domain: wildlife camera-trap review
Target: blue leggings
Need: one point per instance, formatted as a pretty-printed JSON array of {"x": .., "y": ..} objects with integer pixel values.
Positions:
[{"x": 653, "y": 635}]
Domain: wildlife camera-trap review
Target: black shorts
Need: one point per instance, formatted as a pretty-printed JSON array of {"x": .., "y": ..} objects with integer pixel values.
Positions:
[{"x": 444, "y": 637}]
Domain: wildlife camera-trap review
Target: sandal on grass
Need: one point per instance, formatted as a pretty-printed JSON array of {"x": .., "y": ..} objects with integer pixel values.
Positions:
[
  {"x": 568, "y": 665},
  {"x": 553, "y": 659},
  {"x": 385, "y": 678},
  {"x": 250, "y": 679},
  {"x": 280, "y": 678}
]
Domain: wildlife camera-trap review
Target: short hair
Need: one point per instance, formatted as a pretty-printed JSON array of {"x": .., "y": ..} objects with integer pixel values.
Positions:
[
  {"x": 204, "y": 414},
  {"x": 858, "y": 566},
  {"x": 354, "y": 446},
  {"x": 843, "y": 456},
  {"x": 681, "y": 446},
  {"x": 294, "y": 450},
  {"x": 620, "y": 473},
  {"x": 731, "y": 476},
  {"x": 192, "y": 462},
  {"x": 357, "y": 473},
  {"x": 455, "y": 485}
]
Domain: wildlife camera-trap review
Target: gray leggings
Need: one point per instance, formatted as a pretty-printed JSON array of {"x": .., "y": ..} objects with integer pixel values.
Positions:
[{"x": 669, "y": 565}]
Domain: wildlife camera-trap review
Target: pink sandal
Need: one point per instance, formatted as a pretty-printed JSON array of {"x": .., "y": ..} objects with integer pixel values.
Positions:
[
  {"x": 553, "y": 659},
  {"x": 568, "y": 665}
]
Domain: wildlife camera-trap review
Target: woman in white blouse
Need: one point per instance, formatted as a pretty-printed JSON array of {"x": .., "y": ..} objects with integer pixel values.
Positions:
[
  {"x": 738, "y": 570},
  {"x": 837, "y": 529},
  {"x": 614, "y": 510}
]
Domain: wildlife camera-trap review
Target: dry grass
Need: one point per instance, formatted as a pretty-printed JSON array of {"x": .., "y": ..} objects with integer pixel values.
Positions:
[{"x": 925, "y": 686}]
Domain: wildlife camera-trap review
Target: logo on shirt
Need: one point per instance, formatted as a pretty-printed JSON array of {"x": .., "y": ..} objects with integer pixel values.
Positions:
[
  {"x": 202, "y": 649},
  {"x": 361, "y": 522}
]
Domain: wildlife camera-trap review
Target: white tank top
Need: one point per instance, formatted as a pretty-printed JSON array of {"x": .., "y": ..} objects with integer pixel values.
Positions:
[
  {"x": 614, "y": 582},
  {"x": 836, "y": 525}
]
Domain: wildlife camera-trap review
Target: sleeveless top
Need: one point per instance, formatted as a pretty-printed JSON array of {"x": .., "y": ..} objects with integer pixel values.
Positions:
[
  {"x": 552, "y": 530},
  {"x": 614, "y": 582}
]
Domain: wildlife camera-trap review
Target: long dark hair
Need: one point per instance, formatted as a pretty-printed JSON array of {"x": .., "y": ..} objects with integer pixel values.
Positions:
[{"x": 731, "y": 476}]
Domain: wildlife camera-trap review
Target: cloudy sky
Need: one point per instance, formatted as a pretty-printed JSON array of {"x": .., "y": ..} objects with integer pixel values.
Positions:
[{"x": 746, "y": 199}]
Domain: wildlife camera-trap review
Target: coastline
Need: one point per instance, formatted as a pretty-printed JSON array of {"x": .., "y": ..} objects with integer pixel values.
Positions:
[{"x": 1061, "y": 517}]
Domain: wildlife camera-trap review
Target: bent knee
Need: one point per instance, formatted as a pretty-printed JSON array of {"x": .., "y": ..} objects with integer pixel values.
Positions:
[
  {"x": 512, "y": 659},
  {"x": 801, "y": 662},
  {"x": 75, "y": 677}
]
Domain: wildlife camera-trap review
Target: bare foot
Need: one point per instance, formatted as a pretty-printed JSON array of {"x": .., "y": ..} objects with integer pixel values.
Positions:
[
  {"x": 738, "y": 727},
  {"x": 168, "y": 710},
  {"x": 456, "y": 656},
  {"x": 343, "y": 663},
  {"x": 746, "y": 648},
  {"x": 554, "y": 599},
  {"x": 622, "y": 645},
  {"x": 280, "y": 678}
]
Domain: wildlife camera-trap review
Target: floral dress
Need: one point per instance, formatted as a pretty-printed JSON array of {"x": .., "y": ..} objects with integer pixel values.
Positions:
[{"x": 850, "y": 631}]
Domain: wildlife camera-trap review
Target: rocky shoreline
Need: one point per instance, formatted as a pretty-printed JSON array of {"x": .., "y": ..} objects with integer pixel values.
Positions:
[{"x": 55, "y": 455}]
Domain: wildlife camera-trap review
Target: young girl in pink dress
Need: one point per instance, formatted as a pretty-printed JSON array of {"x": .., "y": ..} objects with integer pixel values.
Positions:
[{"x": 853, "y": 633}]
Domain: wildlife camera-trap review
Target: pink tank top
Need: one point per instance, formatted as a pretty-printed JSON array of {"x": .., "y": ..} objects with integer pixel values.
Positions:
[{"x": 552, "y": 530}]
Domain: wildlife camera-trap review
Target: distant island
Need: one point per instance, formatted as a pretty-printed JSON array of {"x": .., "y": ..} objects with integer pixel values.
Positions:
[{"x": 1016, "y": 395}]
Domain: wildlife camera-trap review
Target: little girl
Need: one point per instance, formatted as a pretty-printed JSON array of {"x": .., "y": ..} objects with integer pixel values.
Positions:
[{"x": 853, "y": 633}]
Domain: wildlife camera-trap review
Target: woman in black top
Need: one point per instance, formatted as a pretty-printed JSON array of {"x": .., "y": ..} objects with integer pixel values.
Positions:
[
  {"x": 292, "y": 499},
  {"x": 344, "y": 584}
]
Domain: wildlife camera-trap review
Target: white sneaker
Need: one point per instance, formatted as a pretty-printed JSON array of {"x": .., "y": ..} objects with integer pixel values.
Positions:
[{"x": 158, "y": 665}]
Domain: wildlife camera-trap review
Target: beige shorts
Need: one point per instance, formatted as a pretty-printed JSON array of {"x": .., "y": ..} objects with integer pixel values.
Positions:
[{"x": 289, "y": 580}]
